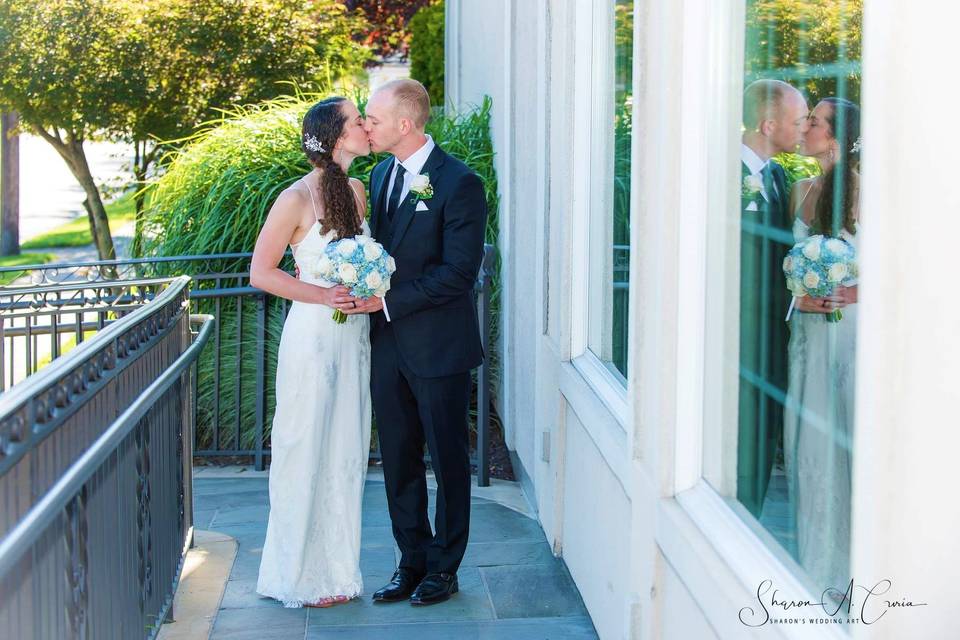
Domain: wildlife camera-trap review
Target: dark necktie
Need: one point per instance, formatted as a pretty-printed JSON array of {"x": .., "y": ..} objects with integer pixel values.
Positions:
[
  {"x": 768, "y": 185},
  {"x": 394, "y": 201}
]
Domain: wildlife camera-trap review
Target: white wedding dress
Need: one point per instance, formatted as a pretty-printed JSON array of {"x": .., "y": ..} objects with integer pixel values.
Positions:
[
  {"x": 320, "y": 445},
  {"x": 818, "y": 425}
]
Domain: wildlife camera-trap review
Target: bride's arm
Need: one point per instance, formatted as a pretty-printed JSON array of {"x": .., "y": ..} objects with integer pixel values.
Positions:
[{"x": 278, "y": 229}]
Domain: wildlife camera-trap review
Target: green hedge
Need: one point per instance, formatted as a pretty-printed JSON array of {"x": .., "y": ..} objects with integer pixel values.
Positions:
[
  {"x": 426, "y": 49},
  {"x": 214, "y": 197}
]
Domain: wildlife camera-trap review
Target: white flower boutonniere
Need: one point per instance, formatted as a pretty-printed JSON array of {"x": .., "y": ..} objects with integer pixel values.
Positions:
[
  {"x": 752, "y": 186},
  {"x": 420, "y": 188}
]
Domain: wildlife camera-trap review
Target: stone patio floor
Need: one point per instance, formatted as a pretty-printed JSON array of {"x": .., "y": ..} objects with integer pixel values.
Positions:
[{"x": 511, "y": 586}]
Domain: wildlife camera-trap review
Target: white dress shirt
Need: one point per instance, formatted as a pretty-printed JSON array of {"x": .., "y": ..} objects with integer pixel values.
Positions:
[{"x": 412, "y": 165}]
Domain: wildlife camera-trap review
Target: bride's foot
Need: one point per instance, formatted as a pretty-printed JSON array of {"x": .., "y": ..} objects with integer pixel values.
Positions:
[{"x": 323, "y": 603}]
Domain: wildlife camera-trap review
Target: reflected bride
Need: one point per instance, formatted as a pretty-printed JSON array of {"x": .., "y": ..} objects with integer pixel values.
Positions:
[{"x": 818, "y": 416}]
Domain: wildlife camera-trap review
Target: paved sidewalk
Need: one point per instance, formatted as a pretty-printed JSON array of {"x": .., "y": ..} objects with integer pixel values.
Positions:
[{"x": 511, "y": 586}]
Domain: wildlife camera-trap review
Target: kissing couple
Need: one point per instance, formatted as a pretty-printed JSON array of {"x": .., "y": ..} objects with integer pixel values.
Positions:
[{"x": 410, "y": 352}]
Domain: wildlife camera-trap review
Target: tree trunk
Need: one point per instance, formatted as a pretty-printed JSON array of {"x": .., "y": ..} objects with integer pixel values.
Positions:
[
  {"x": 141, "y": 163},
  {"x": 10, "y": 186},
  {"x": 71, "y": 150},
  {"x": 100, "y": 227}
]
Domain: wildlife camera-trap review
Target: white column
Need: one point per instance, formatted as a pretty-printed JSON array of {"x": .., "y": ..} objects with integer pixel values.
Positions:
[{"x": 907, "y": 437}]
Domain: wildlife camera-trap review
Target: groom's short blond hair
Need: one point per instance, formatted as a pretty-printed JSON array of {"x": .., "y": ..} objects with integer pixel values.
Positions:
[
  {"x": 410, "y": 99},
  {"x": 763, "y": 99}
]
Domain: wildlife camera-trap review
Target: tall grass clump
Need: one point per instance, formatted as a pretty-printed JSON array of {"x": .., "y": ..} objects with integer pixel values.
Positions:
[{"x": 213, "y": 198}]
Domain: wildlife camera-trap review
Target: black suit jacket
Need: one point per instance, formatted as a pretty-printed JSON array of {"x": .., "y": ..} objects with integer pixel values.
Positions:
[
  {"x": 433, "y": 313},
  {"x": 764, "y": 299}
]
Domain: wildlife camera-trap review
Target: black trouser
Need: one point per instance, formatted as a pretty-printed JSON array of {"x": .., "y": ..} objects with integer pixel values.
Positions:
[{"x": 412, "y": 411}]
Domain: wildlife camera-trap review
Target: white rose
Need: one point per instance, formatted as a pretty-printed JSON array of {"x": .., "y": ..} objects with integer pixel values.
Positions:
[
  {"x": 372, "y": 251},
  {"x": 753, "y": 184},
  {"x": 837, "y": 272},
  {"x": 325, "y": 267},
  {"x": 382, "y": 291},
  {"x": 347, "y": 273},
  {"x": 836, "y": 247},
  {"x": 373, "y": 280},
  {"x": 795, "y": 287},
  {"x": 391, "y": 264},
  {"x": 788, "y": 264},
  {"x": 362, "y": 240},
  {"x": 347, "y": 247},
  {"x": 811, "y": 280},
  {"x": 812, "y": 250},
  {"x": 419, "y": 183}
]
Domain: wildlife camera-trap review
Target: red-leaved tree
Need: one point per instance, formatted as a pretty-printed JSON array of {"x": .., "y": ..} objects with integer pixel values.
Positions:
[{"x": 387, "y": 33}]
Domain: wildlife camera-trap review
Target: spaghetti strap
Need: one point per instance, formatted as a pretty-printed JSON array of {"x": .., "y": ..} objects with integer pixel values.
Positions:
[
  {"x": 316, "y": 212},
  {"x": 799, "y": 208},
  {"x": 360, "y": 203}
]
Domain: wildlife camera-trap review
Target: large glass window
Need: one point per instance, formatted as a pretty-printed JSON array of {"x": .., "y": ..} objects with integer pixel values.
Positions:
[
  {"x": 799, "y": 227},
  {"x": 611, "y": 239}
]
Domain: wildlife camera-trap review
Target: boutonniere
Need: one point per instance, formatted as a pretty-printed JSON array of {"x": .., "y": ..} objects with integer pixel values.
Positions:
[
  {"x": 752, "y": 186},
  {"x": 420, "y": 188}
]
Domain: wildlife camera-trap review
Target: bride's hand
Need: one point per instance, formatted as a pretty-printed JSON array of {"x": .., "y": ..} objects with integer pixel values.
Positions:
[
  {"x": 820, "y": 305},
  {"x": 848, "y": 294},
  {"x": 337, "y": 297}
]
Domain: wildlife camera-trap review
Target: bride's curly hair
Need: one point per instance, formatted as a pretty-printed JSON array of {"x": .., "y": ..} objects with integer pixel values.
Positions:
[
  {"x": 835, "y": 206},
  {"x": 322, "y": 127}
]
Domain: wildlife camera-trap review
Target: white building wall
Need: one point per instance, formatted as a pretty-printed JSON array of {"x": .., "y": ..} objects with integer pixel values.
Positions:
[{"x": 655, "y": 551}]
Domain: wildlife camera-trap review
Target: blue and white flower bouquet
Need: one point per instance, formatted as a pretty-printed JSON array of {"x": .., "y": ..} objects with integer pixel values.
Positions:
[
  {"x": 818, "y": 265},
  {"x": 360, "y": 263}
]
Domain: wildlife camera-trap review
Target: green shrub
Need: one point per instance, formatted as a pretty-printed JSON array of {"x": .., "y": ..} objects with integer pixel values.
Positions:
[
  {"x": 797, "y": 167},
  {"x": 214, "y": 198},
  {"x": 426, "y": 49}
]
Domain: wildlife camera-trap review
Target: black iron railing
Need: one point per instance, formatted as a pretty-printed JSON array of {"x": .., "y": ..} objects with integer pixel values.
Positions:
[
  {"x": 95, "y": 467},
  {"x": 236, "y": 372}
]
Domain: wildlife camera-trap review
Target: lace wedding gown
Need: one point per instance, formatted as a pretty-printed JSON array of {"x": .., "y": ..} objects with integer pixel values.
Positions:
[
  {"x": 818, "y": 424},
  {"x": 320, "y": 445}
]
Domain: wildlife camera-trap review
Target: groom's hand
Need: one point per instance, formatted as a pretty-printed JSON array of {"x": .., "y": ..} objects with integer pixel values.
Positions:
[{"x": 370, "y": 305}]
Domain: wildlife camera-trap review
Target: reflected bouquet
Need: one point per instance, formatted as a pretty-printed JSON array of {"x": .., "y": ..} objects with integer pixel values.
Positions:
[
  {"x": 818, "y": 265},
  {"x": 360, "y": 263}
]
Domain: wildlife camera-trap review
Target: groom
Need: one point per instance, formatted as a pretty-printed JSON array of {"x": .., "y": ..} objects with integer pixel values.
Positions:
[
  {"x": 429, "y": 212},
  {"x": 775, "y": 119}
]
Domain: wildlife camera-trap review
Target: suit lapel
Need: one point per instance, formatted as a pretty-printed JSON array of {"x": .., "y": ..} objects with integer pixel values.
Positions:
[
  {"x": 406, "y": 210},
  {"x": 783, "y": 198}
]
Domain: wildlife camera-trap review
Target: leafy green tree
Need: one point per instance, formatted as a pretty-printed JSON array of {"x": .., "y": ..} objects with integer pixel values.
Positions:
[
  {"x": 202, "y": 56},
  {"x": 813, "y": 44},
  {"x": 66, "y": 66},
  {"x": 427, "y": 49},
  {"x": 79, "y": 70}
]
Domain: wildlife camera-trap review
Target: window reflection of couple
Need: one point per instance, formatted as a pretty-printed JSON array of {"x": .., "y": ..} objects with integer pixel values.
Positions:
[{"x": 816, "y": 358}]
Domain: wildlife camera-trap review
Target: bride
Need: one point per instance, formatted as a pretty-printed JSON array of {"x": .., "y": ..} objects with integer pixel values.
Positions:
[
  {"x": 818, "y": 416},
  {"x": 320, "y": 440}
]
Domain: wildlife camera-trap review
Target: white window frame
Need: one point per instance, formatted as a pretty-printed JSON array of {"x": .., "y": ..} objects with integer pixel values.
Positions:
[
  {"x": 592, "y": 189},
  {"x": 706, "y": 406}
]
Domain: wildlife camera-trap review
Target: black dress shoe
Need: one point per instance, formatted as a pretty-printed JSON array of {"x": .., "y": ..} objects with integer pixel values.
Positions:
[
  {"x": 402, "y": 584},
  {"x": 434, "y": 588}
]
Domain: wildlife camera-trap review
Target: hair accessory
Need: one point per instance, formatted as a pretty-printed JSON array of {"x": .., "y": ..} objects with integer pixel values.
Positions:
[{"x": 312, "y": 144}]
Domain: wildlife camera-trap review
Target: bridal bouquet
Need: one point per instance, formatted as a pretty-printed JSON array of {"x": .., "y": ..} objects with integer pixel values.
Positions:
[
  {"x": 816, "y": 266},
  {"x": 360, "y": 263}
]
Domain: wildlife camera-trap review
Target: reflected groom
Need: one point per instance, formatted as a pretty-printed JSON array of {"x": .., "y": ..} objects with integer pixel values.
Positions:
[{"x": 774, "y": 118}]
